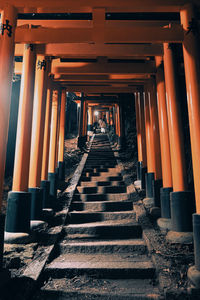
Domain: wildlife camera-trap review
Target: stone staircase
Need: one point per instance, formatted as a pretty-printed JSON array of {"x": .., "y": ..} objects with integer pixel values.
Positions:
[{"x": 102, "y": 254}]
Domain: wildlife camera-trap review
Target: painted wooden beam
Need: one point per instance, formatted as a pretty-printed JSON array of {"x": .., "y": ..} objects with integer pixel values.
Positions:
[
  {"x": 111, "y": 35},
  {"x": 93, "y": 50},
  {"x": 87, "y": 5}
]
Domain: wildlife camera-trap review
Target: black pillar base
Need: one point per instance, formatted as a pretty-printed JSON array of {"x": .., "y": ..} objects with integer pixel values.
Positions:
[
  {"x": 143, "y": 174},
  {"x": 18, "y": 212},
  {"x": 61, "y": 170},
  {"x": 121, "y": 142},
  {"x": 2, "y": 225},
  {"x": 139, "y": 170},
  {"x": 81, "y": 141},
  {"x": 165, "y": 202},
  {"x": 90, "y": 127},
  {"x": 194, "y": 271},
  {"x": 52, "y": 177},
  {"x": 149, "y": 178},
  {"x": 45, "y": 185},
  {"x": 157, "y": 184},
  {"x": 181, "y": 211},
  {"x": 36, "y": 203}
]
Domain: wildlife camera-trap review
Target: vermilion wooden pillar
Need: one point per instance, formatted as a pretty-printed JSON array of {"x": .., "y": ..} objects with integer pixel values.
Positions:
[
  {"x": 81, "y": 138},
  {"x": 85, "y": 120},
  {"x": 157, "y": 183},
  {"x": 192, "y": 75},
  {"x": 89, "y": 128},
  {"x": 45, "y": 183},
  {"x": 155, "y": 129},
  {"x": 37, "y": 137},
  {"x": 121, "y": 140},
  {"x": 53, "y": 144},
  {"x": 141, "y": 139},
  {"x": 58, "y": 132},
  {"x": 19, "y": 200},
  {"x": 164, "y": 222},
  {"x": 153, "y": 175},
  {"x": 8, "y": 16},
  {"x": 61, "y": 162},
  {"x": 180, "y": 198},
  {"x": 116, "y": 122}
]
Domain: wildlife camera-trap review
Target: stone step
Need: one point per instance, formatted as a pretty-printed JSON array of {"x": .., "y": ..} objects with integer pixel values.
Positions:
[
  {"x": 102, "y": 174},
  {"x": 101, "y": 178},
  {"x": 101, "y": 183},
  {"x": 102, "y": 206},
  {"x": 102, "y": 189},
  {"x": 94, "y": 165},
  {"x": 100, "y": 197},
  {"x": 105, "y": 229},
  {"x": 120, "y": 265},
  {"x": 87, "y": 217},
  {"x": 136, "y": 246},
  {"x": 99, "y": 170},
  {"x": 83, "y": 287}
]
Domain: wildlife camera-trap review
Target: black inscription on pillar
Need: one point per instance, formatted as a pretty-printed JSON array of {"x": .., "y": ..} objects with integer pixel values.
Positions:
[
  {"x": 27, "y": 46},
  {"x": 193, "y": 27},
  {"x": 6, "y": 27},
  {"x": 41, "y": 64}
]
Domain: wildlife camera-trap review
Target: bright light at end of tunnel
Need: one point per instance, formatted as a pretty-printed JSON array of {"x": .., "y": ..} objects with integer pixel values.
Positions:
[{"x": 96, "y": 113}]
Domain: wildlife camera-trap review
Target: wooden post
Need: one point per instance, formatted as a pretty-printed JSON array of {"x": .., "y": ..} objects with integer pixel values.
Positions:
[
  {"x": 180, "y": 199},
  {"x": 165, "y": 221},
  {"x": 192, "y": 75},
  {"x": 45, "y": 183},
  {"x": 37, "y": 137},
  {"x": 61, "y": 162},
  {"x": 53, "y": 144},
  {"x": 8, "y": 18},
  {"x": 19, "y": 200}
]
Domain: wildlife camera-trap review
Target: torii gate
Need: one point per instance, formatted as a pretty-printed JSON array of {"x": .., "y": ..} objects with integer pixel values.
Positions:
[{"x": 119, "y": 53}]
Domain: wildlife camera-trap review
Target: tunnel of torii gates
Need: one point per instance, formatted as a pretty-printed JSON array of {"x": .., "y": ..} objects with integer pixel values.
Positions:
[{"x": 101, "y": 54}]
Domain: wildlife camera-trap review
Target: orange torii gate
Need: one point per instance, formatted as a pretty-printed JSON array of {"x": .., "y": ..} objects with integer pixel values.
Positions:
[{"x": 110, "y": 45}]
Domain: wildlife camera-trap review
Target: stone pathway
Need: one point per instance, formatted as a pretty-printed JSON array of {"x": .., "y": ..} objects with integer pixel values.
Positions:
[{"x": 102, "y": 254}]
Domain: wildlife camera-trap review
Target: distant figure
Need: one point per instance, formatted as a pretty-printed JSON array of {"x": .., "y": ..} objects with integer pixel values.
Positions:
[{"x": 103, "y": 126}]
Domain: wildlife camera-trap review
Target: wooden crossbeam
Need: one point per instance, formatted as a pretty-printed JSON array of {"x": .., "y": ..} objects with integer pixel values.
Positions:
[
  {"x": 92, "y": 50},
  {"x": 111, "y": 35},
  {"x": 101, "y": 89},
  {"x": 87, "y": 5},
  {"x": 103, "y": 68}
]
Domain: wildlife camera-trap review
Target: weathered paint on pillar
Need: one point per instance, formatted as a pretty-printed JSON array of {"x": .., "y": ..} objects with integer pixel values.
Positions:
[
  {"x": 45, "y": 157},
  {"x": 174, "y": 122},
  {"x": 38, "y": 122},
  {"x": 62, "y": 127},
  {"x": 23, "y": 139},
  {"x": 192, "y": 75},
  {"x": 163, "y": 125},
  {"x": 53, "y": 134},
  {"x": 9, "y": 17}
]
